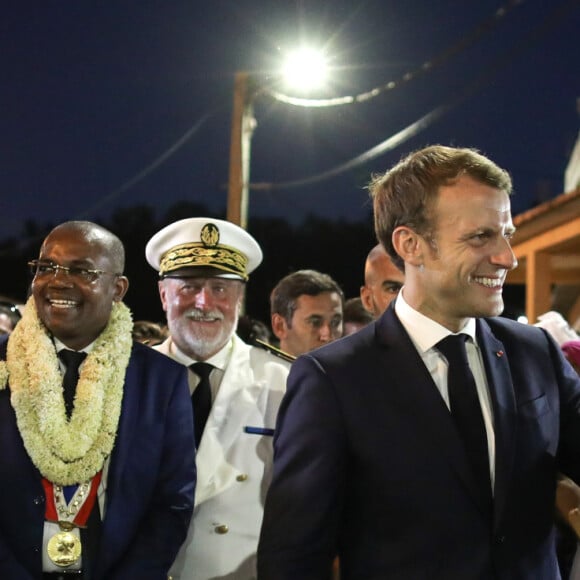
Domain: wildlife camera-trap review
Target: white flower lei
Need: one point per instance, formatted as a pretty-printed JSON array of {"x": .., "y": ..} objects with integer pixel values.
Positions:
[{"x": 67, "y": 452}]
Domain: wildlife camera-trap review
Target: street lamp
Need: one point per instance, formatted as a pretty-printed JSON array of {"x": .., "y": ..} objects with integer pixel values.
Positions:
[{"x": 304, "y": 68}]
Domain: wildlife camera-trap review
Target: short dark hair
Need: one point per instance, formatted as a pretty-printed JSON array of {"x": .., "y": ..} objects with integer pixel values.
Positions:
[
  {"x": 405, "y": 195},
  {"x": 355, "y": 312},
  {"x": 284, "y": 296},
  {"x": 249, "y": 329},
  {"x": 149, "y": 332}
]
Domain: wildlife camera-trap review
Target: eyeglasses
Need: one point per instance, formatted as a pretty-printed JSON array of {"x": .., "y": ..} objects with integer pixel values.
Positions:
[{"x": 40, "y": 268}]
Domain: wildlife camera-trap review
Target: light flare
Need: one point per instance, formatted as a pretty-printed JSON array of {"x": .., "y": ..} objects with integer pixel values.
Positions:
[{"x": 305, "y": 69}]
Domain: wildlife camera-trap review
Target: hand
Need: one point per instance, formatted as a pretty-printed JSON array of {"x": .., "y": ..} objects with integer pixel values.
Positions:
[{"x": 568, "y": 503}]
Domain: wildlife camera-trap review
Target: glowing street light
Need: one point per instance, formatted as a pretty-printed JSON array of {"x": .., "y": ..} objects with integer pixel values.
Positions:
[{"x": 304, "y": 69}]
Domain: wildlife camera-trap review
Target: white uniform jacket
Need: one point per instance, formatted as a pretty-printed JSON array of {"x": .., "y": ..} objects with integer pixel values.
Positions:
[{"x": 234, "y": 468}]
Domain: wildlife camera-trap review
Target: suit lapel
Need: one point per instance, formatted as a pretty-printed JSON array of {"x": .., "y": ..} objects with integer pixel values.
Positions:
[
  {"x": 501, "y": 390},
  {"x": 424, "y": 401},
  {"x": 128, "y": 421}
]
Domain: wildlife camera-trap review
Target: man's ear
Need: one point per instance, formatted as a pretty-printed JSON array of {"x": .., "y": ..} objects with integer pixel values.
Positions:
[
  {"x": 409, "y": 245},
  {"x": 366, "y": 298},
  {"x": 121, "y": 287},
  {"x": 162, "y": 294},
  {"x": 279, "y": 326}
]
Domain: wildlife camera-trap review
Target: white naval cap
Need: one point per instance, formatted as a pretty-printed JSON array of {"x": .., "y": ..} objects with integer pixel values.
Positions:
[{"x": 207, "y": 243}]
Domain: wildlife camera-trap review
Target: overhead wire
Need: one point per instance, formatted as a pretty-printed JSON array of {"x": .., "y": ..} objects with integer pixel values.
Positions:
[
  {"x": 142, "y": 174},
  {"x": 147, "y": 170},
  {"x": 393, "y": 141},
  {"x": 469, "y": 39},
  {"x": 386, "y": 145},
  {"x": 389, "y": 143},
  {"x": 426, "y": 120}
]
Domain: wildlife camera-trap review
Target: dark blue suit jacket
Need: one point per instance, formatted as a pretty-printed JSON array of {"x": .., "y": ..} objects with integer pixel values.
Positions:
[
  {"x": 368, "y": 464},
  {"x": 150, "y": 485}
]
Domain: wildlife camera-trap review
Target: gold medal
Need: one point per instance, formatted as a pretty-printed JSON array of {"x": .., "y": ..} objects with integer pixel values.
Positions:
[{"x": 64, "y": 548}]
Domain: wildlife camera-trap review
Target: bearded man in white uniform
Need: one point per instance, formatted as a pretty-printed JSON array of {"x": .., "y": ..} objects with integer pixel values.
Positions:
[{"x": 203, "y": 265}]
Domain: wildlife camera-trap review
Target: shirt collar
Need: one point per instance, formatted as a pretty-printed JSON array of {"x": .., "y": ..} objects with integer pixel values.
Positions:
[
  {"x": 425, "y": 332},
  {"x": 219, "y": 360},
  {"x": 59, "y": 345}
]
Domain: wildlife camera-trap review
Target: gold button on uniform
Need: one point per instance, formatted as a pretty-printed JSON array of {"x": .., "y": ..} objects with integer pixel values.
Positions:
[
  {"x": 222, "y": 529},
  {"x": 242, "y": 477}
]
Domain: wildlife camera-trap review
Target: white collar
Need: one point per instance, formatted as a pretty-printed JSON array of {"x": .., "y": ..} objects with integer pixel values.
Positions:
[
  {"x": 219, "y": 360},
  {"x": 424, "y": 331},
  {"x": 59, "y": 345}
]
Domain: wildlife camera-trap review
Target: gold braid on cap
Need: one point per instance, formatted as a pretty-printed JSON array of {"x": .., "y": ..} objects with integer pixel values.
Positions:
[
  {"x": 207, "y": 253},
  {"x": 195, "y": 254}
]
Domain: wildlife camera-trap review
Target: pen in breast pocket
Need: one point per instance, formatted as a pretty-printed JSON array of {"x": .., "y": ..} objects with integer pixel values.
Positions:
[{"x": 258, "y": 430}]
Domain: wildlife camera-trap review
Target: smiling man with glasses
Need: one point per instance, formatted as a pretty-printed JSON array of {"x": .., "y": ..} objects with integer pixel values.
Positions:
[
  {"x": 97, "y": 473},
  {"x": 73, "y": 284}
]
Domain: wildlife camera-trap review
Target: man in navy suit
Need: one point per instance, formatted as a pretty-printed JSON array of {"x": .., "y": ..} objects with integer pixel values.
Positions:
[
  {"x": 372, "y": 462},
  {"x": 97, "y": 470}
]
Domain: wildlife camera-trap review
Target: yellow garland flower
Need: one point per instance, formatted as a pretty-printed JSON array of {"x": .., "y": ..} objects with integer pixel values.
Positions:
[
  {"x": 3, "y": 374},
  {"x": 67, "y": 452}
]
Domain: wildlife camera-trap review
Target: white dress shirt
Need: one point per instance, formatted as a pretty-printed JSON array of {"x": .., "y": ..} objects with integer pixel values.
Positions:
[
  {"x": 219, "y": 360},
  {"x": 50, "y": 528},
  {"x": 425, "y": 333}
]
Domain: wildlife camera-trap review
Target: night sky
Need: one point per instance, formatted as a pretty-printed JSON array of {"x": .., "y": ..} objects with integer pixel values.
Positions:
[{"x": 95, "y": 94}]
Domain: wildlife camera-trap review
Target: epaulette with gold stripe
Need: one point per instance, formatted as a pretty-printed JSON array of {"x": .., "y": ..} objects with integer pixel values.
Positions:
[{"x": 275, "y": 351}]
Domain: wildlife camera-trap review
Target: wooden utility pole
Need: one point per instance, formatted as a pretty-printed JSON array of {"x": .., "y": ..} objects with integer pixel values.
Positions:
[{"x": 243, "y": 124}]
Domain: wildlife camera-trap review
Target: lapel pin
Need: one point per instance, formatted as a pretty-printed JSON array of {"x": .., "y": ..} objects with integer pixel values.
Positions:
[{"x": 499, "y": 353}]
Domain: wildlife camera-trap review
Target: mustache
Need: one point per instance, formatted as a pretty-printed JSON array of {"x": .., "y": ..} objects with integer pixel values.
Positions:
[{"x": 200, "y": 316}]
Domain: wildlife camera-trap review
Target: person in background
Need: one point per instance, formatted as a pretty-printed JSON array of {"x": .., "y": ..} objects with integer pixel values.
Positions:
[
  {"x": 571, "y": 350},
  {"x": 306, "y": 311},
  {"x": 428, "y": 444},
  {"x": 9, "y": 315},
  {"x": 203, "y": 266},
  {"x": 250, "y": 329},
  {"x": 355, "y": 316},
  {"x": 97, "y": 473},
  {"x": 148, "y": 332},
  {"x": 557, "y": 326},
  {"x": 383, "y": 280}
]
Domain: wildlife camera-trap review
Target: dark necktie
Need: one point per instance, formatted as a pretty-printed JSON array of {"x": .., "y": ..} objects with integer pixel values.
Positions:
[
  {"x": 201, "y": 398},
  {"x": 72, "y": 361},
  {"x": 91, "y": 532},
  {"x": 466, "y": 408}
]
